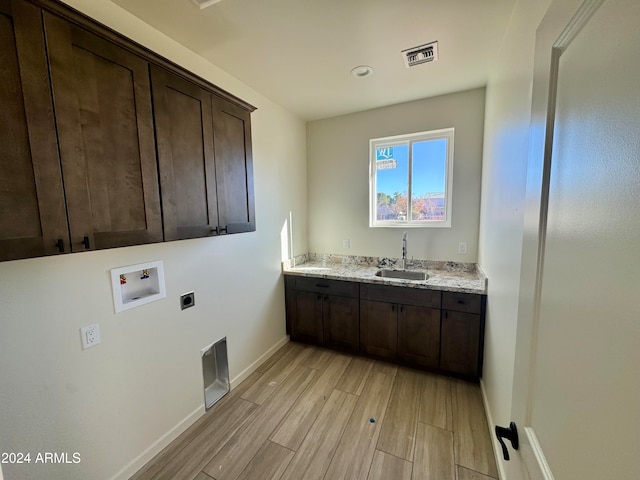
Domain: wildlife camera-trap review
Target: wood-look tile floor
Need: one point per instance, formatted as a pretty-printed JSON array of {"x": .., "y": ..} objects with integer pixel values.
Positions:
[{"x": 313, "y": 414}]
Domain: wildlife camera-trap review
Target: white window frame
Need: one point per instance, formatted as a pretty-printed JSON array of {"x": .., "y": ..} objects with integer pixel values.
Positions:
[{"x": 445, "y": 133}]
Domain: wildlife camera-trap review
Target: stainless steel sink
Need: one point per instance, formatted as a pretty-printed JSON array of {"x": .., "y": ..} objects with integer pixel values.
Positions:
[{"x": 402, "y": 274}]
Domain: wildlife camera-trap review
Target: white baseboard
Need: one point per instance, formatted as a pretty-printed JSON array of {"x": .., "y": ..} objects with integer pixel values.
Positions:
[
  {"x": 156, "y": 447},
  {"x": 532, "y": 447},
  {"x": 253, "y": 367},
  {"x": 531, "y": 452},
  {"x": 494, "y": 441}
]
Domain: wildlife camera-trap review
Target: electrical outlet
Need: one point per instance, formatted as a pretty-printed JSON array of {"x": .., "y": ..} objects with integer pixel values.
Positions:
[
  {"x": 462, "y": 248},
  {"x": 187, "y": 300},
  {"x": 90, "y": 336},
  {"x": 346, "y": 243}
]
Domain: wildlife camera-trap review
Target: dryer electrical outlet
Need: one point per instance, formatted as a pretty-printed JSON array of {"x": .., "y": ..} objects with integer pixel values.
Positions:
[{"x": 187, "y": 300}]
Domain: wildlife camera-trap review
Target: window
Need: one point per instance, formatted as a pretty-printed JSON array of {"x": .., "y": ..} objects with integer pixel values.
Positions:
[{"x": 410, "y": 180}]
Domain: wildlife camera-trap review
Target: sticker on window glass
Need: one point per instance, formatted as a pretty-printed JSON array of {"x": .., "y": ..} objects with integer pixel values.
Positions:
[
  {"x": 384, "y": 159},
  {"x": 384, "y": 153}
]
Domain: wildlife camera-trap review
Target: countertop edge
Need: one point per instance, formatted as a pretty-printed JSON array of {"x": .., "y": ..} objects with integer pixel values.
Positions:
[{"x": 382, "y": 281}]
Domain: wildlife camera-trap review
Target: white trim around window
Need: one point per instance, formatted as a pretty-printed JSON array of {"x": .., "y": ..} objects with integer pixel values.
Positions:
[{"x": 411, "y": 180}]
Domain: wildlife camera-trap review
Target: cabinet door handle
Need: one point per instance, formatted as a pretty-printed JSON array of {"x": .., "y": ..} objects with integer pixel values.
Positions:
[
  {"x": 223, "y": 229},
  {"x": 320, "y": 285},
  {"x": 85, "y": 242},
  {"x": 60, "y": 245},
  {"x": 446, "y": 315},
  {"x": 326, "y": 298},
  {"x": 393, "y": 308},
  {"x": 319, "y": 297},
  {"x": 461, "y": 302},
  {"x": 401, "y": 308}
]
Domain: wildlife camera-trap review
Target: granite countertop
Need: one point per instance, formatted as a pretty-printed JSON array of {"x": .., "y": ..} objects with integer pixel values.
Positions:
[{"x": 447, "y": 276}]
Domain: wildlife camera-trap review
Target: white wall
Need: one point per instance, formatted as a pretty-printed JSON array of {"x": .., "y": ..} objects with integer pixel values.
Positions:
[
  {"x": 338, "y": 178},
  {"x": 508, "y": 111},
  {"x": 113, "y": 402}
]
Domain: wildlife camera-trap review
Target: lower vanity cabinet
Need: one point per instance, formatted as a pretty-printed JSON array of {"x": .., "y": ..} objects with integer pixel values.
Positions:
[
  {"x": 379, "y": 329},
  {"x": 431, "y": 329},
  {"x": 323, "y": 312},
  {"x": 341, "y": 322},
  {"x": 419, "y": 336},
  {"x": 306, "y": 317},
  {"x": 399, "y": 323},
  {"x": 462, "y": 333}
]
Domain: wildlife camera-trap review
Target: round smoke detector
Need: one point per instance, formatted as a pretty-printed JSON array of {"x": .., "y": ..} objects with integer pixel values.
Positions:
[{"x": 361, "y": 71}]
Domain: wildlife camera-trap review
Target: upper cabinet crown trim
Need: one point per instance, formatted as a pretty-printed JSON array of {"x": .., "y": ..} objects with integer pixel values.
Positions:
[{"x": 113, "y": 36}]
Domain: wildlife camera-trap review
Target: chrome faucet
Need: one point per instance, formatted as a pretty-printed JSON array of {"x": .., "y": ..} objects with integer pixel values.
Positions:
[{"x": 404, "y": 251}]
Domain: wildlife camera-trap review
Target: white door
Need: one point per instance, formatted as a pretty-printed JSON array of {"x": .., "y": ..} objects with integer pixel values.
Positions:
[{"x": 576, "y": 397}]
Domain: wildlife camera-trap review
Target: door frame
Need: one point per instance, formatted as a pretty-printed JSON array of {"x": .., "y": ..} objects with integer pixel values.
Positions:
[{"x": 562, "y": 22}]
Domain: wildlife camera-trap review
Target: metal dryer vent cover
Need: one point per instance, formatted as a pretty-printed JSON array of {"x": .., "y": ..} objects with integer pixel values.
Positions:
[{"x": 422, "y": 54}]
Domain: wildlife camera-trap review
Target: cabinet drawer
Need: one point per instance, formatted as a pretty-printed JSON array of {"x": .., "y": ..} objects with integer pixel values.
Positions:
[
  {"x": 330, "y": 287},
  {"x": 407, "y": 296},
  {"x": 462, "y": 302}
]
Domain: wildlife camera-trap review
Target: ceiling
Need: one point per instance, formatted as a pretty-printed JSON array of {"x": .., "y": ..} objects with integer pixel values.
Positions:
[{"x": 299, "y": 53}]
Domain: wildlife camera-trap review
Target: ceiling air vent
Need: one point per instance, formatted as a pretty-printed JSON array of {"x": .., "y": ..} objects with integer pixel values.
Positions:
[
  {"x": 204, "y": 3},
  {"x": 422, "y": 54}
]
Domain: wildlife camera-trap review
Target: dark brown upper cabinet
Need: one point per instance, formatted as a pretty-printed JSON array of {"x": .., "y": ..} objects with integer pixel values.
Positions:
[
  {"x": 81, "y": 165},
  {"x": 102, "y": 102},
  {"x": 204, "y": 158},
  {"x": 234, "y": 166},
  {"x": 184, "y": 130},
  {"x": 33, "y": 220}
]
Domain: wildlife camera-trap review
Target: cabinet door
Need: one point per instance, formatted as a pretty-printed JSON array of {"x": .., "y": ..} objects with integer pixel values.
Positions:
[
  {"x": 419, "y": 335},
  {"x": 460, "y": 343},
  {"x": 234, "y": 167},
  {"x": 32, "y": 209},
  {"x": 379, "y": 329},
  {"x": 341, "y": 322},
  {"x": 306, "y": 324},
  {"x": 102, "y": 100},
  {"x": 184, "y": 131}
]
